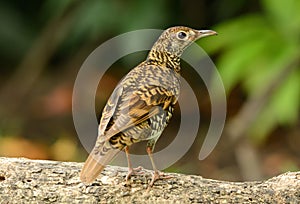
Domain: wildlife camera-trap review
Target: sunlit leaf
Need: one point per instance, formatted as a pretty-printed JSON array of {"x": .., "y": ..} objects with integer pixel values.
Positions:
[
  {"x": 286, "y": 101},
  {"x": 284, "y": 15},
  {"x": 282, "y": 109},
  {"x": 236, "y": 63},
  {"x": 232, "y": 33},
  {"x": 254, "y": 50},
  {"x": 267, "y": 67}
]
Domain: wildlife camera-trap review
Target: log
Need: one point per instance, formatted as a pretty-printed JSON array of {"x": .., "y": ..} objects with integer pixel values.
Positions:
[{"x": 40, "y": 181}]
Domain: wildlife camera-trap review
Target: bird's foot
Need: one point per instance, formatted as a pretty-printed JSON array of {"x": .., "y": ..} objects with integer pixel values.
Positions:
[
  {"x": 156, "y": 176},
  {"x": 133, "y": 171}
]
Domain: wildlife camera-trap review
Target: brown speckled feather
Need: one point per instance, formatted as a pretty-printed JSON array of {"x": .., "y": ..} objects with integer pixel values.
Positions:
[{"x": 142, "y": 104}]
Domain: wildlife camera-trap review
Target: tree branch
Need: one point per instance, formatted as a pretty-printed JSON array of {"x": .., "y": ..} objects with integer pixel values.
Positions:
[{"x": 34, "y": 181}]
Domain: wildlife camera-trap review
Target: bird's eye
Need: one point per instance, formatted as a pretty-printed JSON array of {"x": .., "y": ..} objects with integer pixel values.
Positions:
[{"x": 181, "y": 35}]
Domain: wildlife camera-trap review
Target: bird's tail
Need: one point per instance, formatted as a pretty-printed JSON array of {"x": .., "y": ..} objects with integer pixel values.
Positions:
[{"x": 95, "y": 163}]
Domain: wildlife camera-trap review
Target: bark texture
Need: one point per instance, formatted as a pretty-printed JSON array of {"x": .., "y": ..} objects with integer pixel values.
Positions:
[{"x": 38, "y": 181}]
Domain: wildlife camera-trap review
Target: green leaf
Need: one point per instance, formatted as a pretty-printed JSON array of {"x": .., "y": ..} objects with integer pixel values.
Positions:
[
  {"x": 267, "y": 66},
  {"x": 236, "y": 63},
  {"x": 286, "y": 101},
  {"x": 232, "y": 33},
  {"x": 282, "y": 109},
  {"x": 254, "y": 49},
  {"x": 284, "y": 15}
]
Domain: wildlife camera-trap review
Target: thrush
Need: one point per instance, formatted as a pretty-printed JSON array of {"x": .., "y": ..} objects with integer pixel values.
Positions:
[{"x": 142, "y": 103}]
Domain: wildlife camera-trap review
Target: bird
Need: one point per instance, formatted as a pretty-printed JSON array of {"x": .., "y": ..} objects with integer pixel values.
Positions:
[{"x": 142, "y": 104}]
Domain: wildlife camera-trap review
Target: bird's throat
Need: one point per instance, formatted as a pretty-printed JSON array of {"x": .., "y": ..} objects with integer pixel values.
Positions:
[{"x": 165, "y": 59}]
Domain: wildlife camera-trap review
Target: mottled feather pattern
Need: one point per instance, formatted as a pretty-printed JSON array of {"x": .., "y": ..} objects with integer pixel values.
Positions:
[
  {"x": 144, "y": 97},
  {"x": 142, "y": 104}
]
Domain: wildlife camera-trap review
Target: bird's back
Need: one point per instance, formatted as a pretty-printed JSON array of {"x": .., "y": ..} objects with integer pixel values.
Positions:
[
  {"x": 148, "y": 91},
  {"x": 139, "y": 109}
]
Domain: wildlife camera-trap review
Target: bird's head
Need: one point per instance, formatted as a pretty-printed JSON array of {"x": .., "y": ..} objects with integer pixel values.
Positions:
[{"x": 175, "y": 39}]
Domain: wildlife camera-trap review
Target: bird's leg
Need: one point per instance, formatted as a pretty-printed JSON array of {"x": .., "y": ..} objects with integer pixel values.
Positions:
[
  {"x": 157, "y": 174},
  {"x": 131, "y": 171}
]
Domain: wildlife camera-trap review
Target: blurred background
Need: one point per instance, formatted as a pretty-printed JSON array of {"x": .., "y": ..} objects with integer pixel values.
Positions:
[{"x": 44, "y": 43}]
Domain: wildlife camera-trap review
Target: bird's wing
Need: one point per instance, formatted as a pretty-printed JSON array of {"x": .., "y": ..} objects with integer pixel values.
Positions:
[
  {"x": 138, "y": 106},
  {"x": 123, "y": 110},
  {"x": 102, "y": 153},
  {"x": 109, "y": 109}
]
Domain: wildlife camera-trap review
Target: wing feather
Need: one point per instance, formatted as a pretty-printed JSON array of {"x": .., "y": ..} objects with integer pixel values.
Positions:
[
  {"x": 109, "y": 109},
  {"x": 139, "y": 106}
]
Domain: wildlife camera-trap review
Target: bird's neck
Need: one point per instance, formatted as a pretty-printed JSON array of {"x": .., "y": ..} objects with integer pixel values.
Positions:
[{"x": 164, "y": 58}]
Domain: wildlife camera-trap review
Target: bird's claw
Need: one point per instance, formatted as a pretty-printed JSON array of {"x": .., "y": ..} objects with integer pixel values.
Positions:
[
  {"x": 157, "y": 175},
  {"x": 134, "y": 171}
]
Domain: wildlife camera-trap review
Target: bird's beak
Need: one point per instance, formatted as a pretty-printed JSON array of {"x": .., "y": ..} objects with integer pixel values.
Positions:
[{"x": 204, "y": 33}]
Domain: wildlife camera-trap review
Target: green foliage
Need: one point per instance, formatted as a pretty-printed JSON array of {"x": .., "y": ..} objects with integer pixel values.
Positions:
[
  {"x": 256, "y": 48},
  {"x": 55, "y": 8},
  {"x": 13, "y": 32},
  {"x": 93, "y": 19}
]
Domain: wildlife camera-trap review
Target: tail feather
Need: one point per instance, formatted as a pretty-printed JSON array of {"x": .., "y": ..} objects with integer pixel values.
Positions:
[{"x": 95, "y": 163}]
